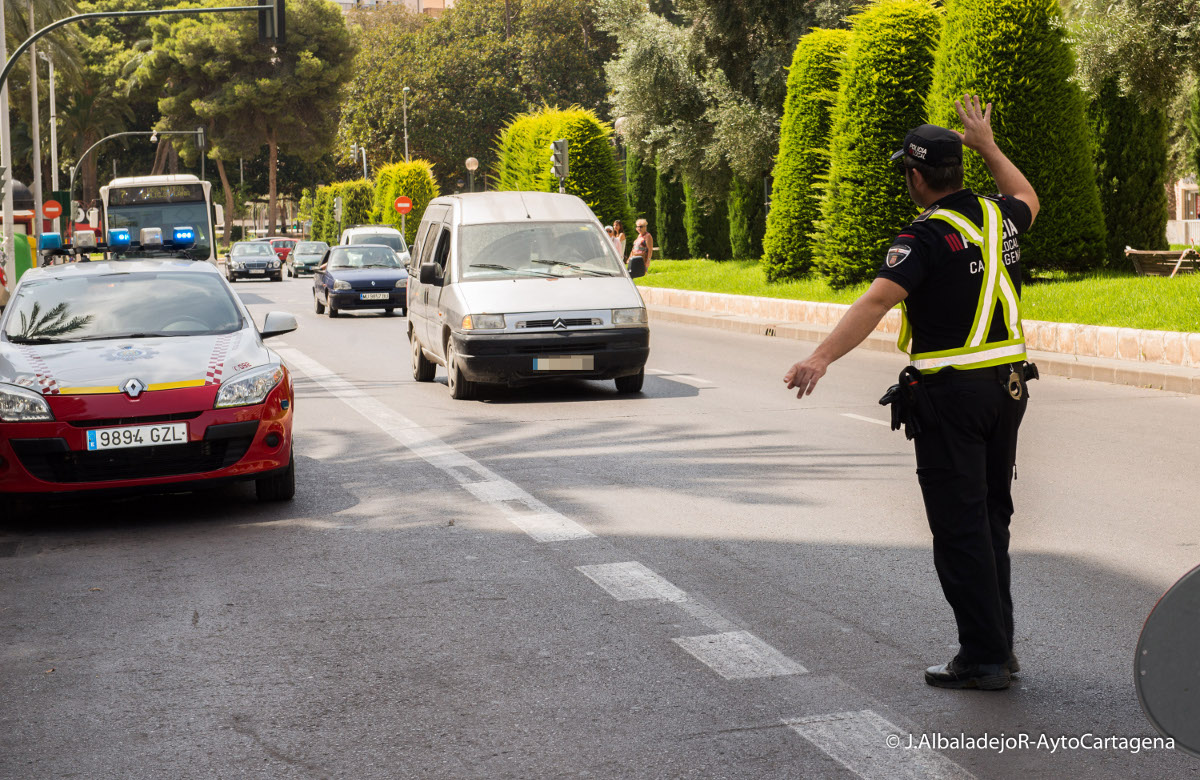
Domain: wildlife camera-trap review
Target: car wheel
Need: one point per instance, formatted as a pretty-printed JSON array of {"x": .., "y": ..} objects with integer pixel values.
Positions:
[
  {"x": 278, "y": 277},
  {"x": 317, "y": 300},
  {"x": 461, "y": 388},
  {"x": 333, "y": 312},
  {"x": 631, "y": 384},
  {"x": 278, "y": 487},
  {"x": 389, "y": 312},
  {"x": 404, "y": 312},
  {"x": 423, "y": 368}
]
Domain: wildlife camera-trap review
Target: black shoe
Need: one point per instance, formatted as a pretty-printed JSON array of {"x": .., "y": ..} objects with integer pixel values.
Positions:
[
  {"x": 1013, "y": 664},
  {"x": 956, "y": 674}
]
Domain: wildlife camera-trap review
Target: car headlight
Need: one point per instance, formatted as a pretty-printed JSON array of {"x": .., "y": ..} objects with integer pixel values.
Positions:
[
  {"x": 402, "y": 283},
  {"x": 275, "y": 263},
  {"x": 628, "y": 317},
  {"x": 341, "y": 284},
  {"x": 249, "y": 387},
  {"x": 19, "y": 404},
  {"x": 483, "y": 322}
]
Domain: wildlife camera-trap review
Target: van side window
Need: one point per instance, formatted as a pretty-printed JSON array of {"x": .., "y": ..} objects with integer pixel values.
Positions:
[
  {"x": 443, "y": 250},
  {"x": 427, "y": 242}
]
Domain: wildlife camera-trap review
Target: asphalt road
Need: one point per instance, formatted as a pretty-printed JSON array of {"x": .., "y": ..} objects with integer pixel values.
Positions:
[{"x": 711, "y": 579}]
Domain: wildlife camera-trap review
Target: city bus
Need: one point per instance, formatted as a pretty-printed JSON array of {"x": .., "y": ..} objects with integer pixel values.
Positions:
[{"x": 165, "y": 202}]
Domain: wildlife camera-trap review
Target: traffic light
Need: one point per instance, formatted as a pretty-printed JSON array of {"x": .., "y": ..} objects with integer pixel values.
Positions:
[
  {"x": 271, "y": 22},
  {"x": 558, "y": 156},
  {"x": 337, "y": 209},
  {"x": 201, "y": 141},
  {"x": 354, "y": 152}
]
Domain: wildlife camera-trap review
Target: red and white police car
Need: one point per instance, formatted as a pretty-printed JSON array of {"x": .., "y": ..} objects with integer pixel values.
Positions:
[{"x": 140, "y": 374}]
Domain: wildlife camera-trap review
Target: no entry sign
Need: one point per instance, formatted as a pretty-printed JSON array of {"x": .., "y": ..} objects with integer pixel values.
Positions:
[
  {"x": 403, "y": 204},
  {"x": 51, "y": 209}
]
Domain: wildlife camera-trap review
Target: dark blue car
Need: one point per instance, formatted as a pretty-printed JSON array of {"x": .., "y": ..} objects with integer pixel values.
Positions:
[{"x": 360, "y": 276}]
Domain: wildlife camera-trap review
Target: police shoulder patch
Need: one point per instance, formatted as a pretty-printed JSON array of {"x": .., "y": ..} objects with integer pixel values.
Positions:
[
  {"x": 926, "y": 214},
  {"x": 897, "y": 254}
]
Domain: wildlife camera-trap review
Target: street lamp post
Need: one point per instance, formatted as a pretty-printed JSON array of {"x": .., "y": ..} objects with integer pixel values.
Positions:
[
  {"x": 53, "y": 134},
  {"x": 35, "y": 133},
  {"x": 472, "y": 166},
  {"x": 405, "y": 91}
]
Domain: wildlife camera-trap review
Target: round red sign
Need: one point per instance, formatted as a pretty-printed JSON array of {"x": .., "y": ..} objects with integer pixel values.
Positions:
[
  {"x": 403, "y": 204},
  {"x": 51, "y": 209}
]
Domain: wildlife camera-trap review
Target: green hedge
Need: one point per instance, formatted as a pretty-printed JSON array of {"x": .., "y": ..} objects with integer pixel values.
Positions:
[
  {"x": 1014, "y": 54},
  {"x": 322, "y": 214},
  {"x": 669, "y": 204},
  {"x": 640, "y": 175},
  {"x": 707, "y": 227},
  {"x": 1131, "y": 171},
  {"x": 803, "y": 158},
  {"x": 523, "y": 159},
  {"x": 887, "y": 70},
  {"x": 414, "y": 179},
  {"x": 747, "y": 218}
]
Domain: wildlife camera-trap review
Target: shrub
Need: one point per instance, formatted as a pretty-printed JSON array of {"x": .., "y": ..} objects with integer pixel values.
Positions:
[
  {"x": 803, "y": 159},
  {"x": 641, "y": 178},
  {"x": 881, "y": 95},
  {"x": 358, "y": 201},
  {"x": 671, "y": 239},
  {"x": 747, "y": 218},
  {"x": 1013, "y": 54},
  {"x": 414, "y": 179},
  {"x": 707, "y": 227},
  {"x": 523, "y": 159},
  {"x": 322, "y": 213},
  {"x": 1131, "y": 170}
]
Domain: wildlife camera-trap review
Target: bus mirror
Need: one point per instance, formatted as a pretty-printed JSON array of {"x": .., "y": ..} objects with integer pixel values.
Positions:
[{"x": 220, "y": 212}]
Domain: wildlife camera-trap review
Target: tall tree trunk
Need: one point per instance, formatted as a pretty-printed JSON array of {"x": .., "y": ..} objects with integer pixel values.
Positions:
[
  {"x": 160, "y": 158},
  {"x": 272, "y": 164},
  {"x": 229, "y": 212},
  {"x": 172, "y": 159},
  {"x": 91, "y": 190}
]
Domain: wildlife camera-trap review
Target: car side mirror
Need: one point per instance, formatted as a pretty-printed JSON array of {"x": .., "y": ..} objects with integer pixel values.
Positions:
[
  {"x": 276, "y": 323},
  {"x": 429, "y": 273}
]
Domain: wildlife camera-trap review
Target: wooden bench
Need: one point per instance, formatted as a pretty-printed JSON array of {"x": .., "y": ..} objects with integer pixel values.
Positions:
[{"x": 1151, "y": 262}]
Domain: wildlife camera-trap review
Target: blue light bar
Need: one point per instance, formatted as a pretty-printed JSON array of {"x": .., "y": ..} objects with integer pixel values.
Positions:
[
  {"x": 184, "y": 237},
  {"x": 118, "y": 239},
  {"x": 49, "y": 241}
]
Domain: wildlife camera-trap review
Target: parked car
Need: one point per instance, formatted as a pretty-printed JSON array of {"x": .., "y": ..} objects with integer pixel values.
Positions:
[
  {"x": 252, "y": 260},
  {"x": 283, "y": 247},
  {"x": 519, "y": 287},
  {"x": 305, "y": 257},
  {"x": 376, "y": 234},
  {"x": 360, "y": 276},
  {"x": 140, "y": 374}
]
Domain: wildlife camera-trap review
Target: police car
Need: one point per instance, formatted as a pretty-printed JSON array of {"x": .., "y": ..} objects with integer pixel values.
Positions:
[{"x": 144, "y": 374}]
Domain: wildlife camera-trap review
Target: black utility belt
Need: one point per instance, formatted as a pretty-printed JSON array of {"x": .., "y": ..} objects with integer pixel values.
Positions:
[
  {"x": 909, "y": 401},
  {"x": 1001, "y": 374}
]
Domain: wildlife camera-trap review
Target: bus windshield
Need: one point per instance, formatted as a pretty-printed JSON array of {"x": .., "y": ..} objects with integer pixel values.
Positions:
[{"x": 168, "y": 216}]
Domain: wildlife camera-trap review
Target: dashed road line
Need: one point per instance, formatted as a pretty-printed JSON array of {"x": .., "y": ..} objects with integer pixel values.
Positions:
[
  {"x": 867, "y": 419},
  {"x": 859, "y": 741},
  {"x": 631, "y": 581},
  {"x": 540, "y": 522},
  {"x": 687, "y": 379},
  {"x": 739, "y": 655}
]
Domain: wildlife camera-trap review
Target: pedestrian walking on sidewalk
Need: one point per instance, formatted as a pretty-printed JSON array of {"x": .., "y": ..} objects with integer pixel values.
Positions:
[
  {"x": 642, "y": 251},
  {"x": 956, "y": 272}
]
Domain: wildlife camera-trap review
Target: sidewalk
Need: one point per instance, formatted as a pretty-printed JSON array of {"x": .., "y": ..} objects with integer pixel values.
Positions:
[{"x": 1141, "y": 358}]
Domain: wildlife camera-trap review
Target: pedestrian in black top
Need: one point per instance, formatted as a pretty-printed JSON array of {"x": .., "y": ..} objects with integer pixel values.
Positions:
[{"x": 956, "y": 271}]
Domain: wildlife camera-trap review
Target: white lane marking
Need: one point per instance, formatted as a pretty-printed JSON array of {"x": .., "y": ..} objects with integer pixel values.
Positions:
[
  {"x": 739, "y": 655},
  {"x": 687, "y": 379},
  {"x": 868, "y": 419},
  {"x": 858, "y": 741},
  {"x": 540, "y": 521},
  {"x": 632, "y": 581}
]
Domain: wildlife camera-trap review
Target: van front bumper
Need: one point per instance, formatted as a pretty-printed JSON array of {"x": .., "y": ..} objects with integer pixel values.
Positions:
[{"x": 517, "y": 359}]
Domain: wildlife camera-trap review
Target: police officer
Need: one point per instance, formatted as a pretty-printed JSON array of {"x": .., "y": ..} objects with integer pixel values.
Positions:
[{"x": 956, "y": 271}]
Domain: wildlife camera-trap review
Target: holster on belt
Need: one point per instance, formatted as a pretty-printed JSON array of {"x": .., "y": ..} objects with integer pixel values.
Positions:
[{"x": 906, "y": 398}]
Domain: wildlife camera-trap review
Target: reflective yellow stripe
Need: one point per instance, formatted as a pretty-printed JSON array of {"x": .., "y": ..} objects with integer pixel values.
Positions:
[
  {"x": 994, "y": 354},
  {"x": 88, "y": 390},
  {"x": 176, "y": 385}
]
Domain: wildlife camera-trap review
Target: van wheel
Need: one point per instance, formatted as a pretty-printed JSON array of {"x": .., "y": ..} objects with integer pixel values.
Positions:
[
  {"x": 320, "y": 306},
  {"x": 628, "y": 385},
  {"x": 423, "y": 368},
  {"x": 461, "y": 388}
]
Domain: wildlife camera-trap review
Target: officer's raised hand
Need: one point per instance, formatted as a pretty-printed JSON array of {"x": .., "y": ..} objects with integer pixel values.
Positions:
[{"x": 977, "y": 122}]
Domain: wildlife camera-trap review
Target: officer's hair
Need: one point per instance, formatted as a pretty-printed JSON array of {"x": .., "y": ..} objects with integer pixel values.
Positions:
[{"x": 940, "y": 178}]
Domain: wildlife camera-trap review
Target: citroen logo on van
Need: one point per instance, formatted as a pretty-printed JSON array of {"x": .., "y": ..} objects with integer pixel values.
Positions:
[
  {"x": 559, "y": 324},
  {"x": 133, "y": 388}
]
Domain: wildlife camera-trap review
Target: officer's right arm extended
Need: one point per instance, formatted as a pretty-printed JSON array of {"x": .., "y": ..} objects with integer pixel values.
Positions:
[{"x": 977, "y": 135}]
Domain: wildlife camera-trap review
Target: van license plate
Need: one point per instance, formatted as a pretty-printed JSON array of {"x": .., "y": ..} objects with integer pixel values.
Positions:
[
  {"x": 374, "y": 296},
  {"x": 564, "y": 363},
  {"x": 137, "y": 436}
]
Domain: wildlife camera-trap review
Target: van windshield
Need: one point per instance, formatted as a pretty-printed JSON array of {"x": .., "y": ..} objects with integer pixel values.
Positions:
[{"x": 546, "y": 249}]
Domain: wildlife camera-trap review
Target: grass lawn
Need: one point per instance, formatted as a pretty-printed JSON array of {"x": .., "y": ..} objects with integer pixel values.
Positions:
[{"x": 1101, "y": 298}]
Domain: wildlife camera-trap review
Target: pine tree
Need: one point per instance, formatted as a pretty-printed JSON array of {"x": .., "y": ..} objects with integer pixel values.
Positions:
[
  {"x": 640, "y": 178},
  {"x": 671, "y": 239},
  {"x": 747, "y": 218},
  {"x": 707, "y": 227}
]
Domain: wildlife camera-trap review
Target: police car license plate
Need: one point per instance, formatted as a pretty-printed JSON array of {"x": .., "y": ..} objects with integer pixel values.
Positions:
[
  {"x": 564, "y": 363},
  {"x": 374, "y": 296},
  {"x": 137, "y": 436}
]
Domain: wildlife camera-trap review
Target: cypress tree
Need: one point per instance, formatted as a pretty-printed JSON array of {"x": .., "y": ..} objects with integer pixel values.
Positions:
[
  {"x": 747, "y": 218},
  {"x": 887, "y": 70},
  {"x": 671, "y": 238},
  {"x": 1131, "y": 170},
  {"x": 707, "y": 227},
  {"x": 1013, "y": 54},
  {"x": 640, "y": 177},
  {"x": 803, "y": 157}
]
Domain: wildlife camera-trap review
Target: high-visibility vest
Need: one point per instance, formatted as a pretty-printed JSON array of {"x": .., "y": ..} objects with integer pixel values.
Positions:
[{"x": 997, "y": 286}]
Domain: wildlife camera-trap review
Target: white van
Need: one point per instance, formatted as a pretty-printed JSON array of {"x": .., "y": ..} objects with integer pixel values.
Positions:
[{"x": 519, "y": 287}]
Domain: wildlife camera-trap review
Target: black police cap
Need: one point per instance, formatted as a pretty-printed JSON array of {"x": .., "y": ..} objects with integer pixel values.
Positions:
[{"x": 935, "y": 146}]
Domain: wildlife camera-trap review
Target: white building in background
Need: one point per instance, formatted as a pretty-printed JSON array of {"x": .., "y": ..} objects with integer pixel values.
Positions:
[{"x": 428, "y": 7}]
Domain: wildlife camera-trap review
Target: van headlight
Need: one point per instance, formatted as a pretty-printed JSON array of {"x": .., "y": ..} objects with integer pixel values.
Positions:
[
  {"x": 483, "y": 322},
  {"x": 19, "y": 404},
  {"x": 629, "y": 317},
  {"x": 249, "y": 387}
]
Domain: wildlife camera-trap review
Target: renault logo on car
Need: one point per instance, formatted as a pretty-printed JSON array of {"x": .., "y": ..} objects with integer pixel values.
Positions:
[{"x": 133, "y": 388}]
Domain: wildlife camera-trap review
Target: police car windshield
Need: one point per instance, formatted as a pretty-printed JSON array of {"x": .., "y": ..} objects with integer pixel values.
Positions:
[
  {"x": 363, "y": 257},
  {"x": 121, "y": 305},
  {"x": 394, "y": 240}
]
